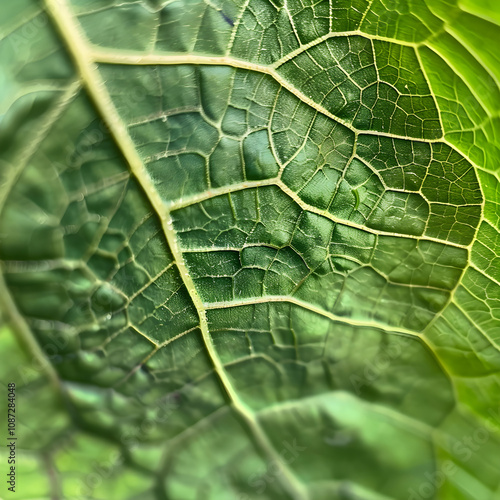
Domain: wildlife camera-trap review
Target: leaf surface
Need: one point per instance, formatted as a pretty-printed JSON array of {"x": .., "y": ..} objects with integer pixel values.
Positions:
[{"x": 252, "y": 248}]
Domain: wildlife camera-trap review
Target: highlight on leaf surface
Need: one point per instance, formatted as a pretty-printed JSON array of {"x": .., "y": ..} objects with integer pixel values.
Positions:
[{"x": 250, "y": 249}]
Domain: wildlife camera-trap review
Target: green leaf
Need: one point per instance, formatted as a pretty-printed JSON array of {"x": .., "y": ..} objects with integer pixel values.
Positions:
[{"x": 250, "y": 250}]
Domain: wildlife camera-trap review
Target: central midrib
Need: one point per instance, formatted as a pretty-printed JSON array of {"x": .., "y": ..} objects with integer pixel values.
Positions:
[{"x": 71, "y": 34}]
